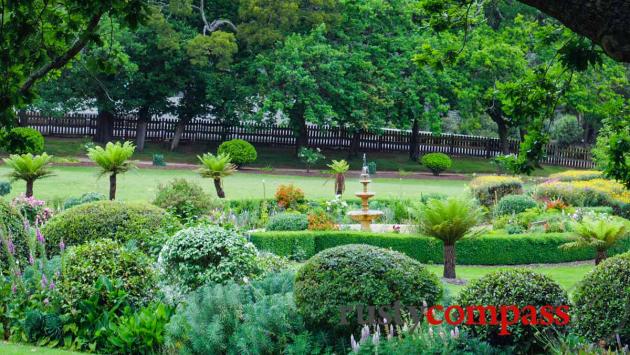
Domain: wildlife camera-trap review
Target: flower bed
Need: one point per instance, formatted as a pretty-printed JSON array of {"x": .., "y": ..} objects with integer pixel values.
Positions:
[{"x": 484, "y": 250}]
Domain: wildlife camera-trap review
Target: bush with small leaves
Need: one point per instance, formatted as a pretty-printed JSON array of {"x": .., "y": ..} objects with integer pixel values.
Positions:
[
  {"x": 436, "y": 162},
  {"x": 185, "y": 199},
  {"x": 13, "y": 237},
  {"x": 289, "y": 196},
  {"x": 121, "y": 221},
  {"x": 360, "y": 275},
  {"x": 490, "y": 189},
  {"x": 523, "y": 288},
  {"x": 240, "y": 151},
  {"x": 198, "y": 255},
  {"x": 601, "y": 301},
  {"x": 24, "y": 140},
  {"x": 84, "y": 264},
  {"x": 83, "y": 199},
  {"x": 288, "y": 222},
  {"x": 566, "y": 131},
  {"x": 514, "y": 204}
]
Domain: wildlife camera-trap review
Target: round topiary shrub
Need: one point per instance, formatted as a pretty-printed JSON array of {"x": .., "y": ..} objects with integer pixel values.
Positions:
[
  {"x": 360, "y": 275},
  {"x": 120, "y": 221},
  {"x": 288, "y": 222},
  {"x": 186, "y": 200},
  {"x": 602, "y": 301},
  {"x": 241, "y": 151},
  {"x": 84, "y": 264},
  {"x": 436, "y": 162},
  {"x": 516, "y": 287},
  {"x": 198, "y": 255},
  {"x": 566, "y": 131},
  {"x": 514, "y": 204},
  {"x": 12, "y": 235},
  {"x": 23, "y": 140}
]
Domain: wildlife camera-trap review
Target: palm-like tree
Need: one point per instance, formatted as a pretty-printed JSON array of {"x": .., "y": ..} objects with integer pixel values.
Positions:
[
  {"x": 339, "y": 168},
  {"x": 600, "y": 233},
  {"x": 112, "y": 160},
  {"x": 449, "y": 221},
  {"x": 216, "y": 167},
  {"x": 29, "y": 167}
]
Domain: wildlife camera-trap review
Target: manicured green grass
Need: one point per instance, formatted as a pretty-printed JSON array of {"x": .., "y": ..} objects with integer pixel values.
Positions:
[
  {"x": 21, "y": 349},
  {"x": 284, "y": 157},
  {"x": 141, "y": 184},
  {"x": 566, "y": 276}
]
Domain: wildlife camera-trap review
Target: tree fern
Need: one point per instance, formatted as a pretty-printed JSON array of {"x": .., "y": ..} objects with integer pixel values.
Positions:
[
  {"x": 599, "y": 233},
  {"x": 112, "y": 160},
  {"x": 29, "y": 168},
  {"x": 216, "y": 167}
]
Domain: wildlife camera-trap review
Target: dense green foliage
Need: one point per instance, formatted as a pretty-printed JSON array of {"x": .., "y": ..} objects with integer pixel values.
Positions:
[
  {"x": 287, "y": 222},
  {"x": 84, "y": 264},
  {"x": 518, "y": 287},
  {"x": 29, "y": 168},
  {"x": 198, "y": 255},
  {"x": 216, "y": 167},
  {"x": 240, "y": 151},
  {"x": 601, "y": 301},
  {"x": 566, "y": 131},
  {"x": 258, "y": 318},
  {"x": 120, "y": 221},
  {"x": 185, "y": 199},
  {"x": 22, "y": 140},
  {"x": 12, "y": 229},
  {"x": 436, "y": 162},
  {"x": 5, "y": 188},
  {"x": 533, "y": 248},
  {"x": 359, "y": 275},
  {"x": 490, "y": 189},
  {"x": 514, "y": 204},
  {"x": 85, "y": 198}
]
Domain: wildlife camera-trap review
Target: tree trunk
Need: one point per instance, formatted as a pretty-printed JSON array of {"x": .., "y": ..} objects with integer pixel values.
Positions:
[
  {"x": 601, "y": 255},
  {"x": 112, "y": 186},
  {"x": 29, "y": 188},
  {"x": 496, "y": 115},
  {"x": 340, "y": 184},
  {"x": 354, "y": 145},
  {"x": 414, "y": 147},
  {"x": 301, "y": 140},
  {"x": 104, "y": 127},
  {"x": 503, "y": 138},
  {"x": 141, "y": 129},
  {"x": 449, "y": 261},
  {"x": 219, "y": 188},
  {"x": 179, "y": 130},
  {"x": 298, "y": 123},
  {"x": 605, "y": 22}
]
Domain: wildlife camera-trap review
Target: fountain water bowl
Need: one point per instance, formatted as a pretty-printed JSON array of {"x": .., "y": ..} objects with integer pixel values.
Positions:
[{"x": 365, "y": 216}]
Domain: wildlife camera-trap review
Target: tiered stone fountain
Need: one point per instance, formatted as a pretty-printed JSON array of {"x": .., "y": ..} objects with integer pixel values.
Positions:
[{"x": 365, "y": 216}]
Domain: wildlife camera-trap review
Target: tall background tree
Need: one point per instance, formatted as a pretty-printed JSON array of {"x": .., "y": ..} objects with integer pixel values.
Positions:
[{"x": 40, "y": 37}]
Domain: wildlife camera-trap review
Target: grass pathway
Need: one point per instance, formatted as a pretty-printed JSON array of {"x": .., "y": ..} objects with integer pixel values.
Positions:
[{"x": 21, "y": 349}]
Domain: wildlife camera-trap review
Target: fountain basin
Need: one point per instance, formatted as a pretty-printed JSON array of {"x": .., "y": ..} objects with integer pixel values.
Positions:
[
  {"x": 365, "y": 218},
  {"x": 367, "y": 194}
]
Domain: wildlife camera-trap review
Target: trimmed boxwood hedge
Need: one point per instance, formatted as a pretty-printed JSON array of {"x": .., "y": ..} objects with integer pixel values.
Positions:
[{"x": 483, "y": 250}]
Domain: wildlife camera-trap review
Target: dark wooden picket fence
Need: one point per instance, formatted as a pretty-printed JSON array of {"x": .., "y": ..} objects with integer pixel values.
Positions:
[{"x": 387, "y": 140}]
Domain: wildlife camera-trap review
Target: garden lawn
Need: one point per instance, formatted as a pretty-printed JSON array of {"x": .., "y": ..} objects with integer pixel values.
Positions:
[
  {"x": 566, "y": 275},
  {"x": 21, "y": 349},
  {"x": 141, "y": 184},
  {"x": 284, "y": 157}
]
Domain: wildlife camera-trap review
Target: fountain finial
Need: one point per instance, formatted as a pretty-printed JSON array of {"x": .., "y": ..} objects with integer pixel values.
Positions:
[{"x": 365, "y": 172}]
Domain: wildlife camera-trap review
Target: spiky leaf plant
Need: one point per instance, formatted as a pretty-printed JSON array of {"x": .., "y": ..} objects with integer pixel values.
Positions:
[
  {"x": 29, "y": 168},
  {"x": 449, "y": 221},
  {"x": 339, "y": 168},
  {"x": 601, "y": 233},
  {"x": 112, "y": 160},
  {"x": 216, "y": 167}
]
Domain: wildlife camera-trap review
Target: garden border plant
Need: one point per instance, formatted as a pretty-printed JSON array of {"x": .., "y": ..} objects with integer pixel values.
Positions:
[{"x": 534, "y": 248}]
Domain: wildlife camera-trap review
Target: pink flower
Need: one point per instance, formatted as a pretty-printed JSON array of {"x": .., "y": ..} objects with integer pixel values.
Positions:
[
  {"x": 31, "y": 260},
  {"x": 40, "y": 237},
  {"x": 11, "y": 247},
  {"x": 46, "y": 301},
  {"x": 13, "y": 289},
  {"x": 44, "y": 281},
  {"x": 62, "y": 246},
  {"x": 52, "y": 285}
]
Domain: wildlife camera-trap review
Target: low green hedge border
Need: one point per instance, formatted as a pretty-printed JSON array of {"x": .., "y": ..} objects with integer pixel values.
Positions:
[{"x": 483, "y": 250}]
